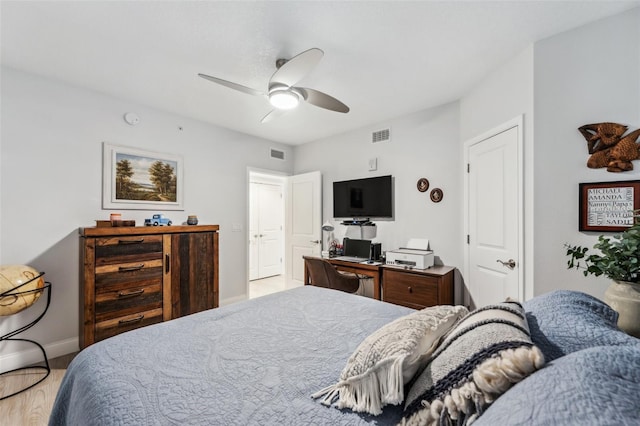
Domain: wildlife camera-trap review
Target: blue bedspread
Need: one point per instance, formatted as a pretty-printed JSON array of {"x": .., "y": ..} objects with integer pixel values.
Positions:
[{"x": 252, "y": 363}]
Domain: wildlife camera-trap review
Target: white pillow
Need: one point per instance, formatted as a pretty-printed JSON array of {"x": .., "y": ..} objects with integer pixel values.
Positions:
[{"x": 377, "y": 371}]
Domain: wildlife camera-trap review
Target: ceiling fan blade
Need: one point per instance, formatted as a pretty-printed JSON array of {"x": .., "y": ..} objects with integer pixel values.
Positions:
[
  {"x": 322, "y": 100},
  {"x": 234, "y": 86},
  {"x": 273, "y": 114},
  {"x": 297, "y": 67}
]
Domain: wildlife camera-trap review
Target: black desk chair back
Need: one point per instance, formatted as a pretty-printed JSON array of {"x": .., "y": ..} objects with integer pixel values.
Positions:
[{"x": 324, "y": 274}]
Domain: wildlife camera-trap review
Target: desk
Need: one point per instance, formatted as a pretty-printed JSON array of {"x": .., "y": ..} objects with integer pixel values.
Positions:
[
  {"x": 373, "y": 271},
  {"x": 408, "y": 287}
]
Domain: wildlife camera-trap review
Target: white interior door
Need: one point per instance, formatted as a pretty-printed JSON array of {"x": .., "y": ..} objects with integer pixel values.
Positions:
[
  {"x": 266, "y": 228},
  {"x": 494, "y": 216},
  {"x": 270, "y": 230},
  {"x": 254, "y": 242},
  {"x": 304, "y": 221}
]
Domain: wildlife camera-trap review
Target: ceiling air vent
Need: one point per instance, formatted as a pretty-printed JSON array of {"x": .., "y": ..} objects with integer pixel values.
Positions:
[
  {"x": 383, "y": 135},
  {"x": 277, "y": 154}
]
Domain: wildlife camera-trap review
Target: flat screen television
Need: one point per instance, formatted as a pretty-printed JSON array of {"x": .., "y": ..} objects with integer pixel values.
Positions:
[{"x": 363, "y": 198}]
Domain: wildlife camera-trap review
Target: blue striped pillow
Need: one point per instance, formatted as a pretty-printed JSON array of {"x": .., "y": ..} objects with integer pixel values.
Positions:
[{"x": 482, "y": 357}]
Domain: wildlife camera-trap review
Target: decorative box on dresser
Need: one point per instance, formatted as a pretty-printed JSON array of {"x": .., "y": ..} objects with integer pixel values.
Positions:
[
  {"x": 136, "y": 276},
  {"x": 418, "y": 289}
]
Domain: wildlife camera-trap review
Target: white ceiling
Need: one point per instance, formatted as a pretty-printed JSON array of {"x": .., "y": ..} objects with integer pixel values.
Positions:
[{"x": 383, "y": 59}]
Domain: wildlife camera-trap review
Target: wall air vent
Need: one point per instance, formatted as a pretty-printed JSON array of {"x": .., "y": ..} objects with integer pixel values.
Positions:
[
  {"x": 277, "y": 154},
  {"x": 383, "y": 135}
]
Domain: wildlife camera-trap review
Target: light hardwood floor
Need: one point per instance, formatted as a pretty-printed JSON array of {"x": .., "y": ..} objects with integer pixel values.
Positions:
[
  {"x": 266, "y": 286},
  {"x": 33, "y": 406}
]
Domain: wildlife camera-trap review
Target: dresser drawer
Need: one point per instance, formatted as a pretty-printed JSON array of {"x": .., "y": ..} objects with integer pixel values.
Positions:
[
  {"x": 123, "y": 249},
  {"x": 126, "y": 299},
  {"x": 124, "y": 323},
  {"x": 411, "y": 290},
  {"x": 133, "y": 272}
]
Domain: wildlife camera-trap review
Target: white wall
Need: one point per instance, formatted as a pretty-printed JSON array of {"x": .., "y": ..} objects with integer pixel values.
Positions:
[
  {"x": 588, "y": 75},
  {"x": 51, "y": 160},
  {"x": 51, "y": 184},
  {"x": 423, "y": 144},
  {"x": 504, "y": 94}
]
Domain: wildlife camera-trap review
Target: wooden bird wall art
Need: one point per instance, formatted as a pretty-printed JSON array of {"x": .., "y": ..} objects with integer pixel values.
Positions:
[{"x": 610, "y": 147}]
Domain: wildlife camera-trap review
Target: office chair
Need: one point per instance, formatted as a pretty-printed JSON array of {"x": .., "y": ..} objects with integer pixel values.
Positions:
[{"x": 324, "y": 274}]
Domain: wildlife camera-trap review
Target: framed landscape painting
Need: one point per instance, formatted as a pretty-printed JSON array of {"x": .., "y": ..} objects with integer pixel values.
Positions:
[{"x": 135, "y": 179}]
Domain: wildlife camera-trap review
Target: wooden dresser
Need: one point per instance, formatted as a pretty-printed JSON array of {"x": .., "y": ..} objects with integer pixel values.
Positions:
[
  {"x": 418, "y": 289},
  {"x": 136, "y": 276}
]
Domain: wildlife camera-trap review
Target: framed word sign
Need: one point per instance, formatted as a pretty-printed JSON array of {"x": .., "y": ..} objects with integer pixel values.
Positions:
[{"x": 608, "y": 206}]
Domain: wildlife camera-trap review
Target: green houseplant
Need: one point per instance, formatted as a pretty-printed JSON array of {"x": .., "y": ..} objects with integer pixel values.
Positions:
[{"x": 619, "y": 260}]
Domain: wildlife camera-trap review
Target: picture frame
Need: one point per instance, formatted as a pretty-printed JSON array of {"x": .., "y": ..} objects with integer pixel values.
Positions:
[
  {"x": 608, "y": 206},
  {"x": 136, "y": 179}
]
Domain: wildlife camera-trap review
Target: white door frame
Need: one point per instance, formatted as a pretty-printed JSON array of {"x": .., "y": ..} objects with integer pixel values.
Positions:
[{"x": 517, "y": 122}]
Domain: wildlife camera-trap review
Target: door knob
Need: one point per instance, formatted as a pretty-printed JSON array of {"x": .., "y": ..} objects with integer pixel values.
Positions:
[
  {"x": 315, "y": 241},
  {"x": 509, "y": 263}
]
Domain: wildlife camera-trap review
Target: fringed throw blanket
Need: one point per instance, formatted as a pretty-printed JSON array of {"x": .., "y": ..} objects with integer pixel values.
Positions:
[
  {"x": 376, "y": 373},
  {"x": 481, "y": 358}
]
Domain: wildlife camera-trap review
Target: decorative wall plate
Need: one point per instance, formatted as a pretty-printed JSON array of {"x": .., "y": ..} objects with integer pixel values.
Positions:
[
  {"x": 423, "y": 184},
  {"x": 436, "y": 195}
]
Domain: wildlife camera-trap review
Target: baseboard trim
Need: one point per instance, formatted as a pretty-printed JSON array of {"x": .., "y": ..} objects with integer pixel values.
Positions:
[
  {"x": 232, "y": 300},
  {"x": 32, "y": 355}
]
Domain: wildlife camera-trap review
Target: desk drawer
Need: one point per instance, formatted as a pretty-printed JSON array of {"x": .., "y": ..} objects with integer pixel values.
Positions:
[{"x": 411, "y": 290}]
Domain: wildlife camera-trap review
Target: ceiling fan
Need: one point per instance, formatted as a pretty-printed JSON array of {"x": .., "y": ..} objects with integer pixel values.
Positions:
[{"x": 282, "y": 93}]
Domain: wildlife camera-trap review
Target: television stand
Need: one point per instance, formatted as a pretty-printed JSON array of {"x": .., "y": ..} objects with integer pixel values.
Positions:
[{"x": 358, "y": 222}]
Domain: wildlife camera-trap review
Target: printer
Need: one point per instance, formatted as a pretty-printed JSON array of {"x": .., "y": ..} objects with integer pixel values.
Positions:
[{"x": 415, "y": 255}]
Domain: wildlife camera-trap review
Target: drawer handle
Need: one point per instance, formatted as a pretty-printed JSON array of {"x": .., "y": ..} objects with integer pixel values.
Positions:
[
  {"x": 141, "y": 240},
  {"x": 131, "y": 268},
  {"x": 410, "y": 289},
  {"x": 123, "y": 295},
  {"x": 132, "y": 320}
]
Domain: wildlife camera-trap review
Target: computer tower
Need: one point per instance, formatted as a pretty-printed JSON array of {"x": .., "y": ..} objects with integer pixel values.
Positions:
[{"x": 376, "y": 251}]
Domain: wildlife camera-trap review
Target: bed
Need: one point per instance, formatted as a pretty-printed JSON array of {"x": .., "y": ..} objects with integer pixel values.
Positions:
[
  {"x": 224, "y": 366},
  {"x": 260, "y": 362}
]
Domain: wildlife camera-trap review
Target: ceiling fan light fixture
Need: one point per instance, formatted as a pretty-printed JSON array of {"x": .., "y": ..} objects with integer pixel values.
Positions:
[
  {"x": 283, "y": 94},
  {"x": 284, "y": 99}
]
